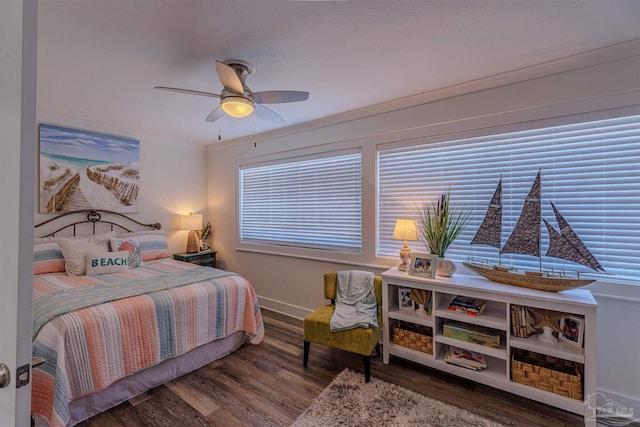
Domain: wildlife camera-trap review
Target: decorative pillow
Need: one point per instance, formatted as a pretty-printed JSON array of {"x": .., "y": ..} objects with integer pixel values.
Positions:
[
  {"x": 47, "y": 257},
  {"x": 132, "y": 246},
  {"x": 107, "y": 262},
  {"x": 153, "y": 244},
  {"x": 74, "y": 248}
]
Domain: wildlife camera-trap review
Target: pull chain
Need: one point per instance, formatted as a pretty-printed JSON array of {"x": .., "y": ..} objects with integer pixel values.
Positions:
[{"x": 255, "y": 120}]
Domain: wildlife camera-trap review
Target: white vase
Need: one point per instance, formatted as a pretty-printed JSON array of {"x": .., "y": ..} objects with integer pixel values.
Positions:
[{"x": 446, "y": 267}]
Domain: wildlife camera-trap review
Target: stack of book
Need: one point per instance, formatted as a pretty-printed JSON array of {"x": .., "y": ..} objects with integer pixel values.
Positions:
[
  {"x": 467, "y": 305},
  {"x": 465, "y": 358},
  {"x": 522, "y": 321},
  {"x": 471, "y": 333}
]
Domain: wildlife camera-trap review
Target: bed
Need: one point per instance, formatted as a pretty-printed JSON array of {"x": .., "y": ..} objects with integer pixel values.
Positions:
[{"x": 132, "y": 319}]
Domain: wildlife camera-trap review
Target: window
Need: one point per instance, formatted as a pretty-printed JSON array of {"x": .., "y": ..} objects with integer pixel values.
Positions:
[
  {"x": 311, "y": 203},
  {"x": 590, "y": 171}
]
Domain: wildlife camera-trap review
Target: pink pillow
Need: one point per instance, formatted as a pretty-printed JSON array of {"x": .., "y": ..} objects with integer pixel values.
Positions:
[
  {"x": 153, "y": 244},
  {"x": 47, "y": 257},
  {"x": 128, "y": 244}
]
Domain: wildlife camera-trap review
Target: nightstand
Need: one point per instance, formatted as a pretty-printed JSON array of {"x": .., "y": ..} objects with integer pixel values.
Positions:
[{"x": 206, "y": 258}]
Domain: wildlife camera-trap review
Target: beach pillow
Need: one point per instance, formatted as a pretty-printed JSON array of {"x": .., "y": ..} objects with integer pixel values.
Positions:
[{"x": 107, "y": 262}]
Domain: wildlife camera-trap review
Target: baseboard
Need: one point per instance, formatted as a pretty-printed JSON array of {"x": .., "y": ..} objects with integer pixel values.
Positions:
[{"x": 284, "y": 308}]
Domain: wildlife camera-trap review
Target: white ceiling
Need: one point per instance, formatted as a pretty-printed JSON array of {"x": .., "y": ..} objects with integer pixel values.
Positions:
[{"x": 98, "y": 60}]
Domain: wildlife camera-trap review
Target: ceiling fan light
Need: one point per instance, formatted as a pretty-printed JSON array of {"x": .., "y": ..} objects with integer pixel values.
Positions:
[{"x": 237, "y": 106}]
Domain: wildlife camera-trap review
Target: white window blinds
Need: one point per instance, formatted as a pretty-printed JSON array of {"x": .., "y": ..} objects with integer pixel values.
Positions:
[
  {"x": 310, "y": 203},
  {"x": 590, "y": 171}
]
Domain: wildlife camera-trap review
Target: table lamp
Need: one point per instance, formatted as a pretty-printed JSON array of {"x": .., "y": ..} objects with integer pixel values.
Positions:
[
  {"x": 406, "y": 230},
  {"x": 191, "y": 223}
]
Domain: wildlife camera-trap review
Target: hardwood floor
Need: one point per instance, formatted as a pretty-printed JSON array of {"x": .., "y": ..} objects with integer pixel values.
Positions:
[{"x": 266, "y": 385}]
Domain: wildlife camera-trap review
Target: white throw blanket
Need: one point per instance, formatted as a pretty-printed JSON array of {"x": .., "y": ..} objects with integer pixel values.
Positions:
[{"x": 356, "y": 305}]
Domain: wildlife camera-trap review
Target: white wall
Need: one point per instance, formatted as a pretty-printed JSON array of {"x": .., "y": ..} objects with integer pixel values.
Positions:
[
  {"x": 619, "y": 344},
  {"x": 171, "y": 178},
  {"x": 293, "y": 284}
]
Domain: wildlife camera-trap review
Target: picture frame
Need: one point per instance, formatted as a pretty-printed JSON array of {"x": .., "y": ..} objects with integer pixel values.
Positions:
[
  {"x": 572, "y": 330},
  {"x": 87, "y": 168},
  {"x": 423, "y": 265},
  {"x": 404, "y": 299}
]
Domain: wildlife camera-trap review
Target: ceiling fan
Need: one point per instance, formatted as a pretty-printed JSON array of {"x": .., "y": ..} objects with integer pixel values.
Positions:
[{"x": 236, "y": 99}]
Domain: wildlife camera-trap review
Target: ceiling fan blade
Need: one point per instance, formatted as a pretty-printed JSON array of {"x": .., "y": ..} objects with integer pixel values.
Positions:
[
  {"x": 229, "y": 78},
  {"x": 187, "y": 91},
  {"x": 267, "y": 114},
  {"x": 215, "y": 115},
  {"x": 279, "y": 96}
]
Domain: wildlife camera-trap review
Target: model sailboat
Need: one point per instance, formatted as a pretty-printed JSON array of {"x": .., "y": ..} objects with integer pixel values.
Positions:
[{"x": 526, "y": 239}]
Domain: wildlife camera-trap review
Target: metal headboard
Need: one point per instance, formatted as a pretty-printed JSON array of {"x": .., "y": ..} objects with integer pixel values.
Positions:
[{"x": 93, "y": 217}]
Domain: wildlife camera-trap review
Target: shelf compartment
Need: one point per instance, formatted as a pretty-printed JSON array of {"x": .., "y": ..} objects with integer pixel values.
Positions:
[
  {"x": 498, "y": 353},
  {"x": 491, "y": 318},
  {"x": 496, "y": 369},
  {"x": 547, "y": 373},
  {"x": 562, "y": 402},
  {"x": 413, "y": 336},
  {"x": 494, "y": 316},
  {"x": 559, "y": 349},
  {"x": 411, "y": 316},
  {"x": 409, "y": 354},
  {"x": 473, "y": 333}
]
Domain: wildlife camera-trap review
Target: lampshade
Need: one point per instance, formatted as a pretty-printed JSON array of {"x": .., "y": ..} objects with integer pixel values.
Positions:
[
  {"x": 405, "y": 230},
  {"x": 237, "y": 106},
  {"x": 191, "y": 222}
]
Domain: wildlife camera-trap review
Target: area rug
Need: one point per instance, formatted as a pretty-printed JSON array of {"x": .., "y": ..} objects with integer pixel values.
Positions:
[{"x": 349, "y": 401}]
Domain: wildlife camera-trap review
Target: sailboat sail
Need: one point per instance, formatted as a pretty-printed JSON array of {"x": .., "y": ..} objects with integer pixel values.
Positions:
[
  {"x": 489, "y": 232},
  {"x": 567, "y": 245},
  {"x": 525, "y": 238}
]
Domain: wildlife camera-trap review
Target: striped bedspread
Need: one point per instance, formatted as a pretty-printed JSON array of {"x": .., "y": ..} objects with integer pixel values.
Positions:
[{"x": 89, "y": 348}]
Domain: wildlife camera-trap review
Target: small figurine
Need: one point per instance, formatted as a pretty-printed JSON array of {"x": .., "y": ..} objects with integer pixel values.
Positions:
[
  {"x": 422, "y": 299},
  {"x": 549, "y": 321}
]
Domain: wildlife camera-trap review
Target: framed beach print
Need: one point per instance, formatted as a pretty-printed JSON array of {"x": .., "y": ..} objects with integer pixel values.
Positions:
[
  {"x": 423, "y": 265},
  {"x": 81, "y": 169},
  {"x": 572, "y": 330},
  {"x": 404, "y": 299}
]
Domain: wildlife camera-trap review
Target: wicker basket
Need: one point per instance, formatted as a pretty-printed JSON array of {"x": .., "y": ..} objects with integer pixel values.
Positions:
[
  {"x": 547, "y": 373},
  {"x": 413, "y": 340}
]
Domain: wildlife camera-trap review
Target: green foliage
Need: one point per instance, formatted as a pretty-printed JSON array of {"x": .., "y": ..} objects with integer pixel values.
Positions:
[{"x": 439, "y": 224}]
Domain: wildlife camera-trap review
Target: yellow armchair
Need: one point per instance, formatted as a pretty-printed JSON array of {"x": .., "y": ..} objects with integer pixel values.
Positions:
[{"x": 359, "y": 340}]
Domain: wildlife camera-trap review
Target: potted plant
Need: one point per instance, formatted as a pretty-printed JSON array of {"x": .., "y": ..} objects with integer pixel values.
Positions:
[
  {"x": 439, "y": 225},
  {"x": 204, "y": 235}
]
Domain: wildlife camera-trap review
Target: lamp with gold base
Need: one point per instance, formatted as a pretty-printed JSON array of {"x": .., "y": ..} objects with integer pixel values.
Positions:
[
  {"x": 406, "y": 230},
  {"x": 191, "y": 223}
]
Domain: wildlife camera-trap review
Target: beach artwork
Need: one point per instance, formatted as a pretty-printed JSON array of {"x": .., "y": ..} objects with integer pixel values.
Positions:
[{"x": 80, "y": 169}]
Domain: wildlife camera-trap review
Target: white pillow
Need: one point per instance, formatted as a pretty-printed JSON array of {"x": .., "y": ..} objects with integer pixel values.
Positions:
[
  {"x": 74, "y": 248},
  {"x": 107, "y": 262}
]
